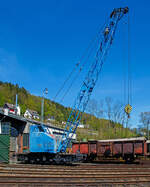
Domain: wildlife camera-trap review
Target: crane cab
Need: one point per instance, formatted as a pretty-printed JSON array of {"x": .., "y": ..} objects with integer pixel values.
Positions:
[{"x": 41, "y": 139}]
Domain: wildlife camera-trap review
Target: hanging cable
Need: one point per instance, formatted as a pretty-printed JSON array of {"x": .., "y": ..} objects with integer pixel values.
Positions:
[
  {"x": 124, "y": 77},
  {"x": 65, "y": 81},
  {"x": 128, "y": 62},
  {"x": 69, "y": 87},
  {"x": 128, "y": 107},
  {"x": 77, "y": 75},
  {"x": 78, "y": 64},
  {"x": 84, "y": 63}
]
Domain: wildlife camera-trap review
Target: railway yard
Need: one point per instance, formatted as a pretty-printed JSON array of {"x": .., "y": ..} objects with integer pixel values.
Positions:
[
  {"x": 85, "y": 174},
  {"x": 42, "y": 147}
]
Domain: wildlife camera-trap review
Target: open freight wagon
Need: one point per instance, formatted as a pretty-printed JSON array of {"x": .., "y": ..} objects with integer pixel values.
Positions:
[{"x": 127, "y": 148}]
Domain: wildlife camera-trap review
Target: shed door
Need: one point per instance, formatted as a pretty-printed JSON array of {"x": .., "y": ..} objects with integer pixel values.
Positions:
[
  {"x": 4, "y": 148},
  {"x": 26, "y": 142}
]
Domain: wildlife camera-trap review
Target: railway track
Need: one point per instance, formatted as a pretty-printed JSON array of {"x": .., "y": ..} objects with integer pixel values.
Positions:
[{"x": 90, "y": 175}]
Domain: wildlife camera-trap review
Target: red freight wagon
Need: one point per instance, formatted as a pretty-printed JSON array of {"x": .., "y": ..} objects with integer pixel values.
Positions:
[
  {"x": 131, "y": 147},
  {"x": 127, "y": 148}
]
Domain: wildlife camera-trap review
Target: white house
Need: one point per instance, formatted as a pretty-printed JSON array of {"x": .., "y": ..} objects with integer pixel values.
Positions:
[
  {"x": 50, "y": 119},
  {"x": 12, "y": 109},
  {"x": 81, "y": 125},
  {"x": 18, "y": 110},
  {"x": 31, "y": 114},
  {"x": 63, "y": 123}
]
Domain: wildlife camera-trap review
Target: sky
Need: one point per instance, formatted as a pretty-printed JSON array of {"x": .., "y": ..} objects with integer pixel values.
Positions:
[{"x": 41, "y": 41}]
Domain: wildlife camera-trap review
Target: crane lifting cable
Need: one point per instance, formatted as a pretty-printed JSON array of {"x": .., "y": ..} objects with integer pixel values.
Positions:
[
  {"x": 81, "y": 101},
  {"x": 79, "y": 65},
  {"x": 128, "y": 107},
  {"x": 78, "y": 73}
]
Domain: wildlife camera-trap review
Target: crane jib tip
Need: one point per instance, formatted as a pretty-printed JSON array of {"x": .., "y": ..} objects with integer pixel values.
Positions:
[{"x": 116, "y": 10}]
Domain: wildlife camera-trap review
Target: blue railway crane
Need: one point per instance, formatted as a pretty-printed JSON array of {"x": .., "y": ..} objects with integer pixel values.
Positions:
[
  {"x": 106, "y": 40},
  {"x": 43, "y": 145}
]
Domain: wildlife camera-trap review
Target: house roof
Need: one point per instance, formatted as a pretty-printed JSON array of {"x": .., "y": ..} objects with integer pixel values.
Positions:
[
  {"x": 10, "y": 106},
  {"x": 33, "y": 112}
]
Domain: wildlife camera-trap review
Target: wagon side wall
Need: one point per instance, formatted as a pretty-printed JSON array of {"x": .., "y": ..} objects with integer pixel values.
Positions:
[
  {"x": 84, "y": 148},
  {"x": 92, "y": 147},
  {"x": 104, "y": 149},
  {"x": 75, "y": 147}
]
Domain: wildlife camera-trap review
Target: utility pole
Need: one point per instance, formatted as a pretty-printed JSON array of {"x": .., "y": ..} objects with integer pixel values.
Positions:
[
  {"x": 148, "y": 129},
  {"x": 45, "y": 92}
]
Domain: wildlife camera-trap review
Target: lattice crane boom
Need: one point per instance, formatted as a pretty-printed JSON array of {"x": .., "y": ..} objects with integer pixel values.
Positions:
[{"x": 106, "y": 36}]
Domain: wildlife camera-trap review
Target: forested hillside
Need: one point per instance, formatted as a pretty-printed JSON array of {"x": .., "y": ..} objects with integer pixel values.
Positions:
[{"x": 95, "y": 127}]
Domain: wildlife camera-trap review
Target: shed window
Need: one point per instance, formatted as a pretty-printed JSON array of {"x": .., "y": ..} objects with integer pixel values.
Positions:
[{"x": 5, "y": 128}]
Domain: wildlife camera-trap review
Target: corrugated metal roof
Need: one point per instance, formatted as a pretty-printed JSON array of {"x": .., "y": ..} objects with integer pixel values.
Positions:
[{"x": 21, "y": 118}]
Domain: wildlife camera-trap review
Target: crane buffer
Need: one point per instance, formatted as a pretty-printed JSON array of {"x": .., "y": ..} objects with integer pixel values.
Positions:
[{"x": 105, "y": 41}]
